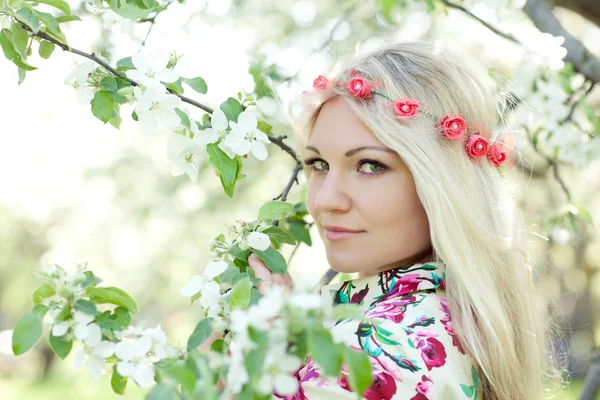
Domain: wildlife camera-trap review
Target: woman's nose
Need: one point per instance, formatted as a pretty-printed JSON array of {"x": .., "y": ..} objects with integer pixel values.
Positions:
[{"x": 333, "y": 195}]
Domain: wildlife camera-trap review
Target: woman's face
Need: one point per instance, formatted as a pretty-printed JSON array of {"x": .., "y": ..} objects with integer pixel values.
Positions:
[{"x": 357, "y": 183}]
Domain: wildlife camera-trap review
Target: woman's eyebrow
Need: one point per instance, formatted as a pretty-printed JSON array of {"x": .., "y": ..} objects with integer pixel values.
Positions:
[{"x": 352, "y": 152}]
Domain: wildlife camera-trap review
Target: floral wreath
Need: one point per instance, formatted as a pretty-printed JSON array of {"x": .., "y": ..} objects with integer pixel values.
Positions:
[{"x": 452, "y": 127}]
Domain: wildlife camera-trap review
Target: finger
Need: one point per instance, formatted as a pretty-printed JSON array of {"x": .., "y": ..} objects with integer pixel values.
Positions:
[
  {"x": 260, "y": 269},
  {"x": 288, "y": 280},
  {"x": 278, "y": 279}
]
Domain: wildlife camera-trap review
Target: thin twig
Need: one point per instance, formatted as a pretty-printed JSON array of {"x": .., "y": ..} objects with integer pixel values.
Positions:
[
  {"x": 576, "y": 103},
  {"x": 152, "y": 21},
  {"x": 293, "y": 178},
  {"x": 484, "y": 23}
]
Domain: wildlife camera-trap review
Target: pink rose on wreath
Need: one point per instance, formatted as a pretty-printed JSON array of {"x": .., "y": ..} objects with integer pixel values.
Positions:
[
  {"x": 423, "y": 389},
  {"x": 496, "y": 155},
  {"x": 476, "y": 146},
  {"x": 321, "y": 82},
  {"x": 359, "y": 87},
  {"x": 406, "y": 108},
  {"x": 453, "y": 127}
]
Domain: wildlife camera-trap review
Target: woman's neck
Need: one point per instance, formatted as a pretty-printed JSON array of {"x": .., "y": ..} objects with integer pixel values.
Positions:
[{"x": 421, "y": 257}]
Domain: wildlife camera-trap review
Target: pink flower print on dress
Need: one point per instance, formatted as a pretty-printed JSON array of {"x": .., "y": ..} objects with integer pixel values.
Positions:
[
  {"x": 432, "y": 350},
  {"x": 425, "y": 389},
  {"x": 392, "y": 310}
]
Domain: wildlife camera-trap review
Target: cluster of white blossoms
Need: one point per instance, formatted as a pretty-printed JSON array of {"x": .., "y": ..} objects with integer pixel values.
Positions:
[
  {"x": 546, "y": 109},
  {"x": 155, "y": 107},
  {"x": 138, "y": 349},
  {"x": 271, "y": 315}
]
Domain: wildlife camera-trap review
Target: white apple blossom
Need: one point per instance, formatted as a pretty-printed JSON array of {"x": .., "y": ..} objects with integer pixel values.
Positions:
[
  {"x": 211, "y": 299},
  {"x": 154, "y": 107},
  {"x": 197, "y": 282},
  {"x": 237, "y": 375},
  {"x": 96, "y": 351},
  {"x": 217, "y": 131},
  {"x": 268, "y": 306},
  {"x": 159, "y": 337},
  {"x": 185, "y": 155},
  {"x": 259, "y": 241},
  {"x": 277, "y": 374},
  {"x": 245, "y": 137},
  {"x": 306, "y": 301},
  {"x": 135, "y": 362},
  {"x": 78, "y": 78},
  {"x": 151, "y": 69},
  {"x": 79, "y": 325}
]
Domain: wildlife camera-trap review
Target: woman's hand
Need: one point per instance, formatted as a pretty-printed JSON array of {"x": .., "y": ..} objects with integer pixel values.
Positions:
[{"x": 261, "y": 271}]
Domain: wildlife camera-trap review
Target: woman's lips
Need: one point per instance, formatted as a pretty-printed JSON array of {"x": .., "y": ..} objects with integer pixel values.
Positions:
[{"x": 340, "y": 235}]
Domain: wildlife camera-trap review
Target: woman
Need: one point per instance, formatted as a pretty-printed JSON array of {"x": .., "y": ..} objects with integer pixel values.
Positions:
[{"x": 404, "y": 189}]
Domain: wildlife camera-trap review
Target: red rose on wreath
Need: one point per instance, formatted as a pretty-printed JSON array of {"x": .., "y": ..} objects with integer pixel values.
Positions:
[
  {"x": 477, "y": 146},
  {"x": 453, "y": 127},
  {"x": 406, "y": 108},
  {"x": 496, "y": 155},
  {"x": 359, "y": 87}
]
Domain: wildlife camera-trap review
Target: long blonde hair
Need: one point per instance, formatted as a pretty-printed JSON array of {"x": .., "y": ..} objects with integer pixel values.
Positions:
[{"x": 497, "y": 310}]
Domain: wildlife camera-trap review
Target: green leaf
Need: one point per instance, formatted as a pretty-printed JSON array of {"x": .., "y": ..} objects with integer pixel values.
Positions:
[
  {"x": 129, "y": 10},
  {"x": 324, "y": 351},
  {"x": 86, "y": 307},
  {"x": 265, "y": 127},
  {"x": 67, "y": 18},
  {"x": 181, "y": 374},
  {"x": 254, "y": 361},
  {"x": 90, "y": 279},
  {"x": 117, "y": 381},
  {"x": 27, "y": 15},
  {"x": 280, "y": 235},
  {"x": 185, "y": 120},
  {"x": 60, "y": 4},
  {"x": 198, "y": 84},
  {"x": 232, "y": 109},
  {"x": 430, "y": 5},
  {"x": 109, "y": 84},
  {"x": 581, "y": 212},
  {"x": 299, "y": 231},
  {"x": 238, "y": 253},
  {"x": 43, "y": 292},
  {"x": 202, "y": 332},
  {"x": 46, "y": 49},
  {"x": 273, "y": 260},
  {"x": 117, "y": 320},
  {"x": 51, "y": 24},
  {"x": 241, "y": 294},
  {"x": 61, "y": 347},
  {"x": 274, "y": 210},
  {"x": 125, "y": 64},
  {"x": 20, "y": 39},
  {"x": 112, "y": 295},
  {"x": 26, "y": 333},
  {"x": 10, "y": 52},
  {"x": 102, "y": 106},
  {"x": 163, "y": 391},
  {"x": 359, "y": 369},
  {"x": 175, "y": 86},
  {"x": 225, "y": 166}
]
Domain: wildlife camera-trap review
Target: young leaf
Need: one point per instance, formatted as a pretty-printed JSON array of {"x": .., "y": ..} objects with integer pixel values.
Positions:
[
  {"x": 274, "y": 210},
  {"x": 232, "y": 109},
  {"x": 86, "y": 307},
  {"x": 109, "y": 84},
  {"x": 162, "y": 391},
  {"x": 46, "y": 49},
  {"x": 202, "y": 332},
  {"x": 224, "y": 165},
  {"x": 67, "y": 18},
  {"x": 241, "y": 294},
  {"x": 61, "y": 347},
  {"x": 102, "y": 106},
  {"x": 324, "y": 351},
  {"x": 273, "y": 260},
  {"x": 60, "y": 4},
  {"x": 185, "y": 120},
  {"x": 112, "y": 295},
  {"x": 359, "y": 369},
  {"x": 10, "y": 52},
  {"x": 175, "y": 86},
  {"x": 43, "y": 292},
  {"x": 26, "y": 333},
  {"x": 52, "y": 26},
  {"x": 117, "y": 381},
  {"x": 27, "y": 16},
  {"x": 125, "y": 64},
  {"x": 198, "y": 84},
  {"x": 299, "y": 231},
  {"x": 181, "y": 374},
  {"x": 280, "y": 235}
]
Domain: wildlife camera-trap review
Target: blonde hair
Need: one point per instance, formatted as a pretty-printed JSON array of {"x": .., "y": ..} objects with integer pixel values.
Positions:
[{"x": 498, "y": 313}]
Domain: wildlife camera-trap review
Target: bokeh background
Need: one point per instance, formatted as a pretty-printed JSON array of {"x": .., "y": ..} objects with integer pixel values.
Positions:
[{"x": 75, "y": 190}]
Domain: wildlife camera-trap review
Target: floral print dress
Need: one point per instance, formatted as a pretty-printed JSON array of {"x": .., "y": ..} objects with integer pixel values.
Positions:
[{"x": 408, "y": 335}]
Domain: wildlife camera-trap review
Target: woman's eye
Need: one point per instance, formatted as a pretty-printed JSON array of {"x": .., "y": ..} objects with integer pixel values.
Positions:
[{"x": 372, "y": 168}]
